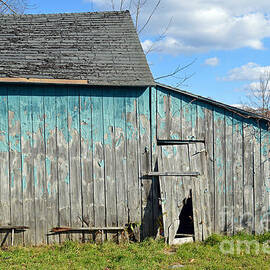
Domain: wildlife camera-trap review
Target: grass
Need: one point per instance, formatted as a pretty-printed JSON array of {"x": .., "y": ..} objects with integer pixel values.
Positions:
[{"x": 149, "y": 254}]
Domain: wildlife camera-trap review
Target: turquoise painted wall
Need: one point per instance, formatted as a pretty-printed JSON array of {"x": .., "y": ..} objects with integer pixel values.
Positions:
[{"x": 73, "y": 152}]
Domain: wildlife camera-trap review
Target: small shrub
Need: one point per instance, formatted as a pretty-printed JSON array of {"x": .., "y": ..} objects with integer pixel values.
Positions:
[{"x": 214, "y": 239}]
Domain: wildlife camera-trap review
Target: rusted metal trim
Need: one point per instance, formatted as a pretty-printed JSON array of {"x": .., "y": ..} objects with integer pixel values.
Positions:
[{"x": 45, "y": 81}]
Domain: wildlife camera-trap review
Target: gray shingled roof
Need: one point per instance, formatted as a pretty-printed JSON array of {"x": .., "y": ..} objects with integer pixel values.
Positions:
[{"x": 102, "y": 47}]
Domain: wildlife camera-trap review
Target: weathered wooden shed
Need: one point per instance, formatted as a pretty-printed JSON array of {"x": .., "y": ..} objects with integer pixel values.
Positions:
[{"x": 88, "y": 139}]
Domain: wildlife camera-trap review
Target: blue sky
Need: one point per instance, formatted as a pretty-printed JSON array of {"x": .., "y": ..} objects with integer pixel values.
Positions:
[{"x": 229, "y": 41}]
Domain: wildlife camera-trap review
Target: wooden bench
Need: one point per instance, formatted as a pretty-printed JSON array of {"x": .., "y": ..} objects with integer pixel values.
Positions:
[
  {"x": 12, "y": 230},
  {"x": 93, "y": 230}
]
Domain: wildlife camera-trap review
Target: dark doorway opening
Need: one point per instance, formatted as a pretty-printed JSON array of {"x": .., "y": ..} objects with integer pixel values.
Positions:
[{"x": 186, "y": 225}]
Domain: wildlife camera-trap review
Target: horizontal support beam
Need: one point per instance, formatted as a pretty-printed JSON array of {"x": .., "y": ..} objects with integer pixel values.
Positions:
[
  {"x": 16, "y": 229},
  {"x": 45, "y": 81},
  {"x": 172, "y": 142},
  {"x": 85, "y": 229},
  {"x": 192, "y": 174}
]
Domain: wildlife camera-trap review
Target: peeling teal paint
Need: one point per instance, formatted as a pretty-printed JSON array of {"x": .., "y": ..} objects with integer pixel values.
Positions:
[
  {"x": 12, "y": 180},
  {"x": 49, "y": 188},
  {"x": 62, "y": 117},
  {"x": 165, "y": 152},
  {"x": 24, "y": 183},
  {"x": 130, "y": 131},
  {"x": 200, "y": 112},
  {"x": 67, "y": 179},
  {"x": 175, "y": 137},
  {"x": 35, "y": 176},
  {"x": 174, "y": 151},
  {"x": 101, "y": 163},
  {"x": 3, "y": 123},
  {"x": 48, "y": 166},
  {"x": 119, "y": 141}
]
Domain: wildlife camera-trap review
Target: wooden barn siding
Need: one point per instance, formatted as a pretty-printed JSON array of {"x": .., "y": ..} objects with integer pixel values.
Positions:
[
  {"x": 237, "y": 156},
  {"x": 75, "y": 152}
]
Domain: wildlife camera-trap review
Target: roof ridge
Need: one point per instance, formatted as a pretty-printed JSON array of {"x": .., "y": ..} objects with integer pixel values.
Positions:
[{"x": 67, "y": 13}]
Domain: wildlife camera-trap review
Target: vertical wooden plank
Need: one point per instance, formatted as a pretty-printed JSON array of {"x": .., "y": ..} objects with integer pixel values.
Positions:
[
  {"x": 51, "y": 159},
  {"x": 209, "y": 146},
  {"x": 165, "y": 192},
  {"x": 110, "y": 159},
  {"x": 87, "y": 157},
  {"x": 248, "y": 204},
  {"x": 38, "y": 155},
  {"x": 169, "y": 184},
  {"x": 154, "y": 161},
  {"x": 144, "y": 156},
  {"x": 132, "y": 134},
  {"x": 74, "y": 158},
  {"x": 5, "y": 218},
  {"x": 180, "y": 186},
  {"x": 237, "y": 148},
  {"x": 261, "y": 175},
  {"x": 203, "y": 167},
  {"x": 15, "y": 159},
  {"x": 63, "y": 158},
  {"x": 163, "y": 114},
  {"x": 229, "y": 173},
  {"x": 120, "y": 156},
  {"x": 98, "y": 158},
  {"x": 196, "y": 192},
  {"x": 187, "y": 118},
  {"x": 219, "y": 142}
]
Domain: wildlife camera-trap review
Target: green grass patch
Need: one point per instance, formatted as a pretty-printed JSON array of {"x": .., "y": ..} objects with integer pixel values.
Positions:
[{"x": 149, "y": 254}]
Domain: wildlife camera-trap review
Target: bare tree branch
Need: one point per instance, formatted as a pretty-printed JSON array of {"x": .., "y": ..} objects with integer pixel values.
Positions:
[
  {"x": 158, "y": 39},
  {"x": 112, "y": 3},
  {"x": 138, "y": 9},
  {"x": 176, "y": 71},
  {"x": 14, "y": 6},
  {"x": 7, "y": 6},
  {"x": 150, "y": 16},
  {"x": 258, "y": 96}
]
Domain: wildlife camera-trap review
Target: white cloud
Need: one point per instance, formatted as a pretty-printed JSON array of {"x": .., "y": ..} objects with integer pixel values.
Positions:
[
  {"x": 204, "y": 25},
  {"x": 214, "y": 61},
  {"x": 249, "y": 72},
  {"x": 147, "y": 45}
]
